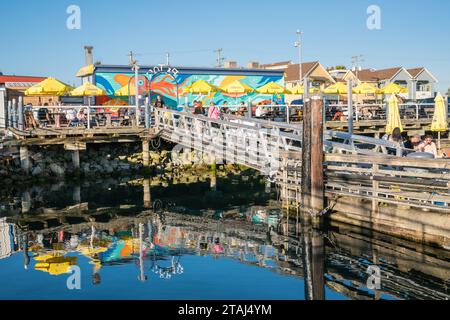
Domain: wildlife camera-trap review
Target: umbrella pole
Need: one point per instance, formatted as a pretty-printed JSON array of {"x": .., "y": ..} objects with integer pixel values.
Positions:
[
  {"x": 89, "y": 113},
  {"x": 439, "y": 140}
]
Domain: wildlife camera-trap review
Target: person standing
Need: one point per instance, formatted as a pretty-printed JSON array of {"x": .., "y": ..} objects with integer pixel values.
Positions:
[{"x": 213, "y": 111}]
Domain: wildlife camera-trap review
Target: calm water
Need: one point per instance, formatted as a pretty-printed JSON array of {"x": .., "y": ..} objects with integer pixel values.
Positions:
[{"x": 151, "y": 239}]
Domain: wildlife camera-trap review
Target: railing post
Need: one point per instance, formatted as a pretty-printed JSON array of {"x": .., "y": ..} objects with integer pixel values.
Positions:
[
  {"x": 417, "y": 111},
  {"x": 147, "y": 113},
  {"x": 89, "y": 117},
  {"x": 350, "y": 106}
]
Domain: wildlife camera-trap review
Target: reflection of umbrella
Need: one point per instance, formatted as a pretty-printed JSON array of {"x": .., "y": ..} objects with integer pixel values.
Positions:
[
  {"x": 48, "y": 87},
  {"x": 393, "y": 120},
  {"x": 271, "y": 88},
  {"x": 88, "y": 90},
  {"x": 439, "y": 123},
  {"x": 54, "y": 265},
  {"x": 393, "y": 88}
]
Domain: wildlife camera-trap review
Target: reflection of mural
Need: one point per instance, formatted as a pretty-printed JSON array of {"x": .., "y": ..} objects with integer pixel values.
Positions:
[{"x": 164, "y": 85}]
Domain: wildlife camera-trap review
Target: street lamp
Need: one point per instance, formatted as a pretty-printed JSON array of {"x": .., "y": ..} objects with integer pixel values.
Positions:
[{"x": 298, "y": 44}]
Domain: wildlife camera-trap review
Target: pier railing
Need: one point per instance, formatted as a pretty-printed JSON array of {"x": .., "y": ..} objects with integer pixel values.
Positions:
[{"x": 420, "y": 183}]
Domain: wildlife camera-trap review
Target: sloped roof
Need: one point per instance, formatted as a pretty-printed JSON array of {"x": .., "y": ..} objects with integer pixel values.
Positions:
[
  {"x": 368, "y": 75},
  {"x": 293, "y": 70},
  {"x": 415, "y": 71},
  {"x": 5, "y": 79}
]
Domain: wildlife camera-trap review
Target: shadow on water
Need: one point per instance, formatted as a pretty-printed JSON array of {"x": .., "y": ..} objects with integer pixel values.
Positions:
[{"x": 221, "y": 238}]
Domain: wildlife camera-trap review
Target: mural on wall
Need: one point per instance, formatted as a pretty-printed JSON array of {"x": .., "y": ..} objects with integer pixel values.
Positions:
[{"x": 165, "y": 86}]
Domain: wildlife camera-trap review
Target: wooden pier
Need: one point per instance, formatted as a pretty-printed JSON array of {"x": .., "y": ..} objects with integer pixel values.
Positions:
[{"x": 352, "y": 166}]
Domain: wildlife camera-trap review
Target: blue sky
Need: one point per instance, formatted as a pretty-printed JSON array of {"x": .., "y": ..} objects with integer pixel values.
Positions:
[{"x": 35, "y": 40}]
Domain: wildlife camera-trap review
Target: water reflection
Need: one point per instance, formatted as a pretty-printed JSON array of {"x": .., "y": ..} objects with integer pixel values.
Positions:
[{"x": 234, "y": 245}]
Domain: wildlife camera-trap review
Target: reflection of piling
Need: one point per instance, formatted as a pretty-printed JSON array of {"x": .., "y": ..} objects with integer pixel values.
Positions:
[
  {"x": 313, "y": 261},
  {"x": 146, "y": 153},
  {"x": 76, "y": 196},
  {"x": 26, "y": 202},
  {"x": 213, "y": 183},
  {"x": 25, "y": 159},
  {"x": 147, "y": 194}
]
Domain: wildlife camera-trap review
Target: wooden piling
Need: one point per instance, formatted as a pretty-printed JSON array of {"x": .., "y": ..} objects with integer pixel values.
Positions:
[
  {"x": 313, "y": 156},
  {"x": 306, "y": 157},
  {"x": 317, "y": 155}
]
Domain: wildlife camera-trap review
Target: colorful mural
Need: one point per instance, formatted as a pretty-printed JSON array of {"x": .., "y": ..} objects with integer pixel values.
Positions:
[{"x": 164, "y": 85}]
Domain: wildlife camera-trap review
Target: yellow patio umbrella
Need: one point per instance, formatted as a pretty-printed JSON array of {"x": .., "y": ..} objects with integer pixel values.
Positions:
[
  {"x": 202, "y": 87},
  {"x": 393, "y": 88},
  {"x": 237, "y": 87},
  {"x": 186, "y": 89},
  {"x": 48, "y": 87},
  {"x": 298, "y": 89},
  {"x": 440, "y": 123},
  {"x": 337, "y": 88},
  {"x": 271, "y": 88},
  {"x": 393, "y": 120},
  {"x": 365, "y": 88},
  {"x": 88, "y": 90}
]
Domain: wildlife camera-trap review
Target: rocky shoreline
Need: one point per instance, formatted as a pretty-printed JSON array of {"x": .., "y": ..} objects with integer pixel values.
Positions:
[{"x": 55, "y": 163}]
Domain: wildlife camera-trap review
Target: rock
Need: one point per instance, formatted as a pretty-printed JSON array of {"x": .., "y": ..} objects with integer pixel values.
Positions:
[
  {"x": 38, "y": 170},
  {"x": 57, "y": 169}
]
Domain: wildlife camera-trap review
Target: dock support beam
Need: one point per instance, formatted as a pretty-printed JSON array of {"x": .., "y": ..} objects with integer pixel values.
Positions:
[
  {"x": 146, "y": 153},
  {"x": 21, "y": 125},
  {"x": 24, "y": 159}
]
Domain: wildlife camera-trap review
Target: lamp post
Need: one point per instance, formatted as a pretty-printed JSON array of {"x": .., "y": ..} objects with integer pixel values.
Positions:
[{"x": 298, "y": 44}]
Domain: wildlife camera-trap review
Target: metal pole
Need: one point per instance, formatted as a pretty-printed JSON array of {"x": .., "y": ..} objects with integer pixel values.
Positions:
[
  {"x": 249, "y": 108},
  {"x": 147, "y": 113},
  {"x": 89, "y": 112},
  {"x": 9, "y": 114},
  {"x": 20, "y": 111},
  {"x": 14, "y": 113},
  {"x": 350, "y": 106},
  {"x": 136, "y": 75}
]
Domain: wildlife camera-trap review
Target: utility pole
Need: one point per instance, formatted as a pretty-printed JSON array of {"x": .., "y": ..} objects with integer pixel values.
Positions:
[
  {"x": 135, "y": 68},
  {"x": 356, "y": 64},
  {"x": 219, "y": 59},
  {"x": 298, "y": 45},
  {"x": 167, "y": 58}
]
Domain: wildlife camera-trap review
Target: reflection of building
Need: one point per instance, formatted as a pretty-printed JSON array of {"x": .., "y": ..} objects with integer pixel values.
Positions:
[{"x": 6, "y": 239}]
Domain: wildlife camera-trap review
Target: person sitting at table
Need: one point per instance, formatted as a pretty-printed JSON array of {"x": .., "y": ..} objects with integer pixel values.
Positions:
[
  {"x": 82, "y": 117},
  {"x": 43, "y": 116},
  {"x": 198, "y": 108},
  {"x": 225, "y": 108},
  {"x": 260, "y": 112},
  {"x": 71, "y": 117},
  {"x": 30, "y": 122},
  {"x": 428, "y": 146},
  {"x": 414, "y": 142},
  {"x": 159, "y": 102}
]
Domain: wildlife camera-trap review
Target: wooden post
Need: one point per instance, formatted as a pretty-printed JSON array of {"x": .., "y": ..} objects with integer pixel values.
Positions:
[
  {"x": 9, "y": 115},
  {"x": 317, "y": 155},
  {"x": 14, "y": 113},
  {"x": 76, "y": 159},
  {"x": 306, "y": 157},
  {"x": 146, "y": 153}
]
